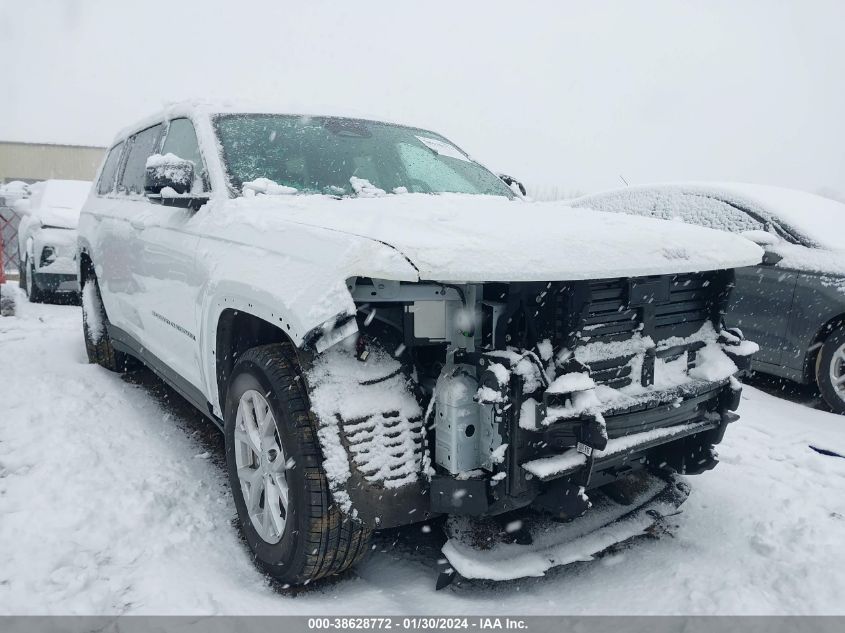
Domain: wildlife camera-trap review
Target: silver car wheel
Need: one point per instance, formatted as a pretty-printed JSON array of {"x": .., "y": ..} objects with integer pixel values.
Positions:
[
  {"x": 261, "y": 464},
  {"x": 837, "y": 371}
]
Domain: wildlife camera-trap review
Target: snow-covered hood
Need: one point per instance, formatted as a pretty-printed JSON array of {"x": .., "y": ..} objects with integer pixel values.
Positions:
[
  {"x": 57, "y": 217},
  {"x": 467, "y": 238},
  {"x": 56, "y": 237},
  {"x": 58, "y": 202}
]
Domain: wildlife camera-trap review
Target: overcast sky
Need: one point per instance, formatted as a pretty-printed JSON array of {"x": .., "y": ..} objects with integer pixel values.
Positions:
[{"x": 567, "y": 94}]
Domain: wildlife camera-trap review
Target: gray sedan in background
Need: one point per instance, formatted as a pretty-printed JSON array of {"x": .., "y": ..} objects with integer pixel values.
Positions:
[{"x": 793, "y": 304}]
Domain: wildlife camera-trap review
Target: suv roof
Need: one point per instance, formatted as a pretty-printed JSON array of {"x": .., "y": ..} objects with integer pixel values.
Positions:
[{"x": 194, "y": 108}]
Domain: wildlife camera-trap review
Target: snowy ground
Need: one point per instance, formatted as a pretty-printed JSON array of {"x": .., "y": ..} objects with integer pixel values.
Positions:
[{"x": 113, "y": 499}]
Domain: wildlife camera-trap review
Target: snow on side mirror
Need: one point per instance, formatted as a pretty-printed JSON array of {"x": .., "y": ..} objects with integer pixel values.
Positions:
[
  {"x": 766, "y": 240},
  {"x": 761, "y": 238},
  {"x": 168, "y": 171}
]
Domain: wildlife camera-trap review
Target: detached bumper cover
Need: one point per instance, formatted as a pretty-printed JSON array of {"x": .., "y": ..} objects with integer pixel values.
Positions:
[
  {"x": 556, "y": 544},
  {"x": 50, "y": 282}
]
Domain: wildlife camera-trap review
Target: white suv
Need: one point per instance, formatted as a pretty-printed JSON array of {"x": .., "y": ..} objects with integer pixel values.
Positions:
[{"x": 385, "y": 332}]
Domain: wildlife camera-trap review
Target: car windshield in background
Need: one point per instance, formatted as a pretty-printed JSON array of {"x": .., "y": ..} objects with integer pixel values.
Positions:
[{"x": 339, "y": 156}]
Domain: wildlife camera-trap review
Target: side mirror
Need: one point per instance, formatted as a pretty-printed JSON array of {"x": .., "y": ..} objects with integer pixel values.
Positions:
[
  {"x": 766, "y": 240},
  {"x": 516, "y": 186},
  {"x": 168, "y": 171},
  {"x": 770, "y": 258},
  {"x": 761, "y": 238},
  {"x": 168, "y": 181}
]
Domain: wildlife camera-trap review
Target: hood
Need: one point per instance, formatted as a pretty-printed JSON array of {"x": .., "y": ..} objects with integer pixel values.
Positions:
[
  {"x": 58, "y": 217},
  {"x": 58, "y": 202},
  {"x": 464, "y": 238}
]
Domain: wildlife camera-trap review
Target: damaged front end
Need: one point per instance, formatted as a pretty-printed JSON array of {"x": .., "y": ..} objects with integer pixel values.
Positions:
[{"x": 477, "y": 399}]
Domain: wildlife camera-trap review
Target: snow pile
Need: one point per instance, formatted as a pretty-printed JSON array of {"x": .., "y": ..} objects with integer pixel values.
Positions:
[
  {"x": 571, "y": 382},
  {"x": 266, "y": 187},
  {"x": 11, "y": 298},
  {"x": 526, "y": 365},
  {"x": 366, "y": 411},
  {"x": 365, "y": 189}
]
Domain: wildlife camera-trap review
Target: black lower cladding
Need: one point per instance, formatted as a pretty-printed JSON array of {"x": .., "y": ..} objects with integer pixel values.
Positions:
[{"x": 50, "y": 282}]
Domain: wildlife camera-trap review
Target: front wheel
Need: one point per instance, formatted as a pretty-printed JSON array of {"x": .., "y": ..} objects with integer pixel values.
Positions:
[
  {"x": 830, "y": 370},
  {"x": 287, "y": 515},
  {"x": 98, "y": 344}
]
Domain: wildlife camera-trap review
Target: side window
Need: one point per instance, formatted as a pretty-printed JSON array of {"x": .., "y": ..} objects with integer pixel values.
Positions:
[
  {"x": 181, "y": 140},
  {"x": 143, "y": 145},
  {"x": 106, "y": 183}
]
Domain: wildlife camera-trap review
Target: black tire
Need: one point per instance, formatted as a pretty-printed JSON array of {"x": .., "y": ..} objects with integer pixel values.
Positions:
[
  {"x": 98, "y": 345},
  {"x": 33, "y": 292},
  {"x": 828, "y": 362},
  {"x": 318, "y": 539}
]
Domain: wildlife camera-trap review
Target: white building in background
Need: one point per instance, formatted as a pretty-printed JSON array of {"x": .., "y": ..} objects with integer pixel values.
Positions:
[{"x": 31, "y": 162}]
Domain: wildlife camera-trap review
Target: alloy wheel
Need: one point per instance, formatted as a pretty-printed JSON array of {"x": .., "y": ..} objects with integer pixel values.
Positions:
[
  {"x": 261, "y": 464},
  {"x": 837, "y": 371}
]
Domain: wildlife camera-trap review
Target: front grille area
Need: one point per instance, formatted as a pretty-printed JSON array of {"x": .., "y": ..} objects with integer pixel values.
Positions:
[
  {"x": 615, "y": 372},
  {"x": 659, "y": 307},
  {"x": 608, "y": 316},
  {"x": 611, "y": 317}
]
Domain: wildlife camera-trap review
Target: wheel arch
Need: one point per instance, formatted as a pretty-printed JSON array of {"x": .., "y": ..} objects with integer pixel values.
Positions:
[
  {"x": 86, "y": 266},
  {"x": 235, "y": 332}
]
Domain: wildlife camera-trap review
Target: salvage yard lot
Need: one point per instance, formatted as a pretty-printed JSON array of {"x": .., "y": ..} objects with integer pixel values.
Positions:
[{"x": 113, "y": 499}]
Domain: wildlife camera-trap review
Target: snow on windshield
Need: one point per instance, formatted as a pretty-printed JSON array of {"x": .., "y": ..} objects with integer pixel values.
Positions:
[{"x": 334, "y": 156}]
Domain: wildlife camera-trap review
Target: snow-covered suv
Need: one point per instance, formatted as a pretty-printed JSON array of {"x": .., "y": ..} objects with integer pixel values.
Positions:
[{"x": 385, "y": 332}]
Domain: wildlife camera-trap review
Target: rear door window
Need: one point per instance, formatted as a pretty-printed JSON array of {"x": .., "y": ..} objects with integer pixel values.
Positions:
[
  {"x": 143, "y": 145},
  {"x": 106, "y": 182}
]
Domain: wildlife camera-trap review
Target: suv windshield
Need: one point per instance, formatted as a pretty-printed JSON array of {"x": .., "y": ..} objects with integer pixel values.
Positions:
[{"x": 339, "y": 156}]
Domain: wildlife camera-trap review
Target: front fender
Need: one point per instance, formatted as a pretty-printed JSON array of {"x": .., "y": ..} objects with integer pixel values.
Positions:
[{"x": 296, "y": 295}]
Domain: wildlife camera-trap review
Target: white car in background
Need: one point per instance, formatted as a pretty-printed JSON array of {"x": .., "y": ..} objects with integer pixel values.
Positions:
[{"x": 47, "y": 237}]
